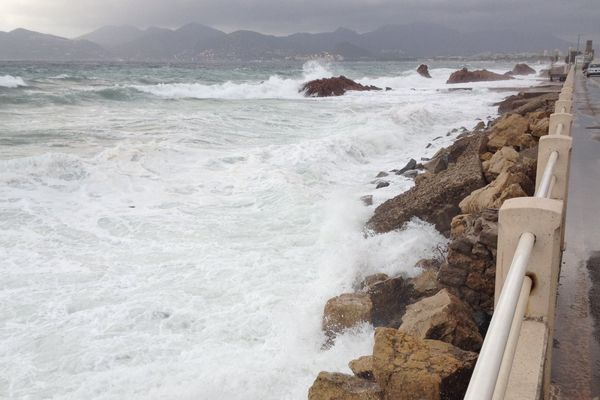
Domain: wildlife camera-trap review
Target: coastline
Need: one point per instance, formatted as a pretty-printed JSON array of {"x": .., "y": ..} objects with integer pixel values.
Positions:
[{"x": 448, "y": 304}]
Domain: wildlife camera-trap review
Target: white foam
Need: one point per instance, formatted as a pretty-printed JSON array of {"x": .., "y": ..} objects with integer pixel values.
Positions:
[{"x": 12, "y": 82}]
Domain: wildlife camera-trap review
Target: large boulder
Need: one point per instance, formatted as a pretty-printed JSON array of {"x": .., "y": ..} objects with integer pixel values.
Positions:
[
  {"x": 464, "y": 76},
  {"x": 435, "y": 197},
  {"x": 511, "y": 183},
  {"x": 510, "y": 130},
  {"x": 337, "y": 386},
  {"x": 502, "y": 160},
  {"x": 423, "y": 70},
  {"x": 345, "y": 311},
  {"x": 381, "y": 303},
  {"x": 335, "y": 86},
  {"x": 521, "y": 69},
  {"x": 442, "y": 317},
  {"x": 409, "y": 368}
]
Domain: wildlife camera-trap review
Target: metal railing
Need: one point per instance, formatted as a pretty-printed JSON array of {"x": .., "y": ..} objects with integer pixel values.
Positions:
[{"x": 492, "y": 372}]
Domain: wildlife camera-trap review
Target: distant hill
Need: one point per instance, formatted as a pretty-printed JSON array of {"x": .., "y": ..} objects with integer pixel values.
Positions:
[
  {"x": 22, "y": 44},
  {"x": 111, "y": 36},
  {"x": 195, "y": 43}
]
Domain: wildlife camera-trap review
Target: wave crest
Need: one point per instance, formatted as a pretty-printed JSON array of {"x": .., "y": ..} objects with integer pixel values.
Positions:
[{"x": 12, "y": 82}]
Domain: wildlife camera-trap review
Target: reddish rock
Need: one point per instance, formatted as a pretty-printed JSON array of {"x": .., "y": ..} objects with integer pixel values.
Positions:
[
  {"x": 521, "y": 69},
  {"x": 464, "y": 75},
  {"x": 423, "y": 70},
  {"x": 335, "y": 86}
]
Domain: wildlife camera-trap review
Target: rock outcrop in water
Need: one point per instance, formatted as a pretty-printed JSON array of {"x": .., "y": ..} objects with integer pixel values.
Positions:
[
  {"x": 464, "y": 76},
  {"x": 335, "y": 86},
  {"x": 521, "y": 69},
  {"x": 423, "y": 70}
]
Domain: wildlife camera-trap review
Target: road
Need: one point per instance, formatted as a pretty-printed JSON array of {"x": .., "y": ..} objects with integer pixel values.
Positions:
[{"x": 576, "y": 356}]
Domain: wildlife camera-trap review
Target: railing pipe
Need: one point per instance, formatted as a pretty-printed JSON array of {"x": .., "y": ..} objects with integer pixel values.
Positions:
[
  {"x": 559, "y": 129},
  {"x": 543, "y": 189},
  {"x": 487, "y": 369},
  {"x": 513, "y": 340}
]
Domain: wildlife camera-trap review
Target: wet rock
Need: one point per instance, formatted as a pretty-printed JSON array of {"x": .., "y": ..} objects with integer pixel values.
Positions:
[
  {"x": 382, "y": 184},
  {"x": 387, "y": 88},
  {"x": 423, "y": 70},
  {"x": 425, "y": 284},
  {"x": 521, "y": 69},
  {"x": 435, "y": 197},
  {"x": 381, "y": 174},
  {"x": 367, "y": 199},
  {"x": 408, "y": 368},
  {"x": 335, "y": 86},
  {"x": 345, "y": 311},
  {"x": 362, "y": 367},
  {"x": 336, "y": 386},
  {"x": 412, "y": 174},
  {"x": 480, "y": 126},
  {"x": 389, "y": 299},
  {"x": 464, "y": 75},
  {"x": 371, "y": 280},
  {"x": 411, "y": 164},
  {"x": 428, "y": 263},
  {"x": 442, "y": 317}
]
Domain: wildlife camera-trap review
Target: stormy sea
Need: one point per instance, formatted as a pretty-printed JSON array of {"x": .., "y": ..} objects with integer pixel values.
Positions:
[{"x": 174, "y": 231}]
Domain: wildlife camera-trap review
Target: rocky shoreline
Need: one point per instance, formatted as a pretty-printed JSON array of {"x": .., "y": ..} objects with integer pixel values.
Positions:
[{"x": 430, "y": 328}]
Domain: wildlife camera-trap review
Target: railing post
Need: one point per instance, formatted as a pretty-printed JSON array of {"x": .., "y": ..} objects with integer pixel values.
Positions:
[
  {"x": 560, "y": 104},
  {"x": 543, "y": 218},
  {"x": 560, "y": 190},
  {"x": 560, "y": 118}
]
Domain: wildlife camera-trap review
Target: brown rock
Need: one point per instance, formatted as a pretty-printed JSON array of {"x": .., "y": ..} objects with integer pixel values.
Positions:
[
  {"x": 425, "y": 284},
  {"x": 336, "y": 386},
  {"x": 506, "y": 186},
  {"x": 540, "y": 127},
  {"x": 522, "y": 69},
  {"x": 435, "y": 198},
  {"x": 503, "y": 159},
  {"x": 423, "y": 70},
  {"x": 510, "y": 130},
  {"x": 345, "y": 311},
  {"x": 389, "y": 299},
  {"x": 335, "y": 86},
  {"x": 363, "y": 367},
  {"x": 408, "y": 368},
  {"x": 464, "y": 75},
  {"x": 526, "y": 102},
  {"x": 443, "y": 317}
]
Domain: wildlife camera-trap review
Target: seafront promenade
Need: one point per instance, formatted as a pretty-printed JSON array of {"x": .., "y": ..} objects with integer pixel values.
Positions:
[{"x": 576, "y": 360}]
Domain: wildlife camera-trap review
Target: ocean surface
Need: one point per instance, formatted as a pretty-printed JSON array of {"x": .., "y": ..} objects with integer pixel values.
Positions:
[{"x": 173, "y": 232}]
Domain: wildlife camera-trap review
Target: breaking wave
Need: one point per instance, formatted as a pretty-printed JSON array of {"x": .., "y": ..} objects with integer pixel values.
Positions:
[{"x": 12, "y": 82}]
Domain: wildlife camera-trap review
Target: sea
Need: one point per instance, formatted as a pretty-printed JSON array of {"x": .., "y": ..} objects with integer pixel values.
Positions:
[{"x": 174, "y": 231}]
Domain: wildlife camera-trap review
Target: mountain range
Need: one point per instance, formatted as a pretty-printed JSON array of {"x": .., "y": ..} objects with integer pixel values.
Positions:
[{"x": 195, "y": 42}]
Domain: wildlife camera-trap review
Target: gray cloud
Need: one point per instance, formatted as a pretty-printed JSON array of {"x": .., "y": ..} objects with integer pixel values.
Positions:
[{"x": 73, "y": 17}]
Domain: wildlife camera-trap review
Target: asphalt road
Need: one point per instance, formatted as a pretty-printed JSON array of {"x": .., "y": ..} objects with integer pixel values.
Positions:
[{"x": 576, "y": 356}]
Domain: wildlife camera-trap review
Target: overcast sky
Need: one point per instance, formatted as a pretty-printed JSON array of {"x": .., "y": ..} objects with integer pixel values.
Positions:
[{"x": 74, "y": 17}]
